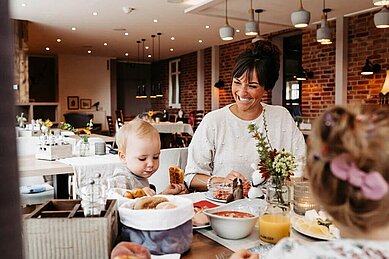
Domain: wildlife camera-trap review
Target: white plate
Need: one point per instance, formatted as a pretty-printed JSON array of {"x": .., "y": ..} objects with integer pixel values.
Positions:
[
  {"x": 209, "y": 196},
  {"x": 306, "y": 232},
  {"x": 202, "y": 226}
]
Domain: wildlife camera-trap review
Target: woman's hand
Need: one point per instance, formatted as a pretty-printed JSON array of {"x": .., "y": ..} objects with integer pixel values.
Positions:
[
  {"x": 175, "y": 189},
  {"x": 148, "y": 191},
  {"x": 244, "y": 254}
]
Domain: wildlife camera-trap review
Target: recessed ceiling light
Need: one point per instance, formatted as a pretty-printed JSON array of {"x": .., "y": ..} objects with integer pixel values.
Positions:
[
  {"x": 126, "y": 54},
  {"x": 149, "y": 55},
  {"x": 95, "y": 13},
  {"x": 47, "y": 48},
  {"x": 126, "y": 33},
  {"x": 89, "y": 51},
  {"x": 147, "y": 47},
  {"x": 172, "y": 38},
  {"x": 237, "y": 30},
  {"x": 200, "y": 41},
  {"x": 171, "y": 49},
  {"x": 155, "y": 20},
  {"x": 206, "y": 26},
  {"x": 74, "y": 28},
  {"x": 105, "y": 44},
  {"x": 59, "y": 40},
  {"x": 24, "y": 4}
]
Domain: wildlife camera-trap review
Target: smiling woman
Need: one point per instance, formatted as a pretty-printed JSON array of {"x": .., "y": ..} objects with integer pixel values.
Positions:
[{"x": 222, "y": 148}]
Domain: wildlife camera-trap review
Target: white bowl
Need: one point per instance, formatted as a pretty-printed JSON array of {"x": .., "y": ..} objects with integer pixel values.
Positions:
[{"x": 236, "y": 228}]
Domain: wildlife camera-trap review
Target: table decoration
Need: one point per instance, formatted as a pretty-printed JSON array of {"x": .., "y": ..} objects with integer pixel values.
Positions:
[
  {"x": 83, "y": 144},
  {"x": 302, "y": 198},
  {"x": 21, "y": 120},
  {"x": 276, "y": 167}
]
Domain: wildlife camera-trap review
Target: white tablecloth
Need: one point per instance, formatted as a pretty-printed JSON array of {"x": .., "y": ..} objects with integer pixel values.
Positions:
[
  {"x": 86, "y": 168},
  {"x": 170, "y": 127}
]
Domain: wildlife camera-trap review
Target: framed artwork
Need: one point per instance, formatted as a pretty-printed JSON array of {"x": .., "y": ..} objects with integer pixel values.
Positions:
[
  {"x": 73, "y": 103},
  {"x": 85, "y": 103}
]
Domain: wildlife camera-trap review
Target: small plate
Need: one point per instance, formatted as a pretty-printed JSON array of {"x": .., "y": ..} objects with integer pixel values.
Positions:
[
  {"x": 209, "y": 196},
  {"x": 203, "y": 204},
  {"x": 298, "y": 225},
  {"x": 201, "y": 227}
]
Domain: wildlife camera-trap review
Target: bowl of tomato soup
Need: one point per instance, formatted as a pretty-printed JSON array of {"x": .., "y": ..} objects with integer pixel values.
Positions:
[{"x": 237, "y": 219}]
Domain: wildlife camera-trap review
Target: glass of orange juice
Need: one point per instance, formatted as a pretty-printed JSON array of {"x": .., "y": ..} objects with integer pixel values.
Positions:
[{"x": 274, "y": 224}]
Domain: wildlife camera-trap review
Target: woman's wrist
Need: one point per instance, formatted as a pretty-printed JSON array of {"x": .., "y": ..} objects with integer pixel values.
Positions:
[{"x": 209, "y": 181}]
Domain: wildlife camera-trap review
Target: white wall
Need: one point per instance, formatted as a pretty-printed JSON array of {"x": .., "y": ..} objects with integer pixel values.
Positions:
[{"x": 88, "y": 78}]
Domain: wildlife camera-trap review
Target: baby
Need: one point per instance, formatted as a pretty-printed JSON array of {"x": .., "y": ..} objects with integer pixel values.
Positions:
[{"x": 139, "y": 148}]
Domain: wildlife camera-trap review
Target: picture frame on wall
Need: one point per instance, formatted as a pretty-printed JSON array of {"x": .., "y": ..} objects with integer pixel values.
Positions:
[
  {"x": 85, "y": 103},
  {"x": 73, "y": 103}
]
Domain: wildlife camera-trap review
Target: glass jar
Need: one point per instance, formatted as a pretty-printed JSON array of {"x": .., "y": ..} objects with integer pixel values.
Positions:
[
  {"x": 278, "y": 192},
  {"x": 274, "y": 224},
  {"x": 302, "y": 198},
  {"x": 84, "y": 148}
]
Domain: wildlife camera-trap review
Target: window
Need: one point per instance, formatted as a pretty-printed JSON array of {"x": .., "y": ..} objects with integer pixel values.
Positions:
[
  {"x": 292, "y": 93},
  {"x": 174, "y": 84}
]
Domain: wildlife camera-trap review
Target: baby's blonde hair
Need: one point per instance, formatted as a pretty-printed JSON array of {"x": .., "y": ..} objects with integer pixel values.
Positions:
[
  {"x": 364, "y": 136},
  {"x": 136, "y": 127}
]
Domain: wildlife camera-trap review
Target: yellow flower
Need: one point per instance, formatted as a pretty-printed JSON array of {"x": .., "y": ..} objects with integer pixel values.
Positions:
[
  {"x": 150, "y": 113},
  {"x": 48, "y": 123}
]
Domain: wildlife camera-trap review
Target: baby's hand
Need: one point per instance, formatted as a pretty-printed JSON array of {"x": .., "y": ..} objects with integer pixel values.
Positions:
[
  {"x": 243, "y": 254},
  {"x": 148, "y": 191},
  {"x": 175, "y": 189}
]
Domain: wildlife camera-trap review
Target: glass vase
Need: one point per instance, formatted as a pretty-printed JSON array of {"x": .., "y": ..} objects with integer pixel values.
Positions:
[
  {"x": 84, "y": 148},
  {"x": 278, "y": 192}
]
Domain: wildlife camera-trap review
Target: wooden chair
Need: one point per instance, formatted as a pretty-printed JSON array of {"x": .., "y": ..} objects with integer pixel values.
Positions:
[{"x": 111, "y": 126}]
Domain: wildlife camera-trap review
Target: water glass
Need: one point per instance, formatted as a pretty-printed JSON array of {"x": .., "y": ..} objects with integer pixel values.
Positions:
[{"x": 302, "y": 198}]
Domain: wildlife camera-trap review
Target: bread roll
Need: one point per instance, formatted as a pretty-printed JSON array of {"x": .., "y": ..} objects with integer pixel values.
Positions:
[
  {"x": 176, "y": 175},
  {"x": 136, "y": 193},
  {"x": 165, "y": 205},
  {"x": 148, "y": 203}
]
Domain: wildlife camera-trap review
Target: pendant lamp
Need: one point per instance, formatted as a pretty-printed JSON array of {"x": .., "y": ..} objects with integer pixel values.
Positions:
[
  {"x": 226, "y": 32},
  {"x": 143, "y": 88},
  {"x": 323, "y": 34},
  {"x": 381, "y": 19},
  {"x": 251, "y": 27},
  {"x": 381, "y": 2},
  {"x": 301, "y": 17},
  {"x": 259, "y": 37},
  {"x": 153, "y": 93},
  {"x": 158, "y": 87},
  {"x": 138, "y": 87}
]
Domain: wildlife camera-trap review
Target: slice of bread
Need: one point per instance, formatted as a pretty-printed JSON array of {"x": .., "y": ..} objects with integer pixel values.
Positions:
[{"x": 176, "y": 175}]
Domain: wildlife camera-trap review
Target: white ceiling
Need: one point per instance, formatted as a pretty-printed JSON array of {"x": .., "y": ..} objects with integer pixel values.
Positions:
[{"x": 52, "y": 19}]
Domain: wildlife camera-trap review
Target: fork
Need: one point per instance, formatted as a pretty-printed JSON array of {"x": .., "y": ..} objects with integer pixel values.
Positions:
[{"x": 222, "y": 255}]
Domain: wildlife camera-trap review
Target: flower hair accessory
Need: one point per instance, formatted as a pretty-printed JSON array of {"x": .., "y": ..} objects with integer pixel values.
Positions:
[{"x": 372, "y": 184}]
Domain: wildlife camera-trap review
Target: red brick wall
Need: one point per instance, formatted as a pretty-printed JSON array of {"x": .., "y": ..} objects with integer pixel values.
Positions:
[
  {"x": 318, "y": 93},
  {"x": 208, "y": 84},
  {"x": 366, "y": 41}
]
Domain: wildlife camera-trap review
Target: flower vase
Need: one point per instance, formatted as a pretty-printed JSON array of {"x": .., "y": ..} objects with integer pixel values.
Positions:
[
  {"x": 84, "y": 147},
  {"x": 278, "y": 192}
]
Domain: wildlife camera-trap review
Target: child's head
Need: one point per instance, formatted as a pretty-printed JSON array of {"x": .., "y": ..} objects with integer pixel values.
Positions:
[
  {"x": 348, "y": 167},
  {"x": 139, "y": 147}
]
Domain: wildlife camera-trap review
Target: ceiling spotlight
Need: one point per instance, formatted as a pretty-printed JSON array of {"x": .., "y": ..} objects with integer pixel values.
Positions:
[
  {"x": 147, "y": 47},
  {"x": 171, "y": 50},
  {"x": 149, "y": 55},
  {"x": 200, "y": 41},
  {"x": 89, "y": 51},
  {"x": 207, "y": 27},
  {"x": 24, "y": 4},
  {"x": 172, "y": 38},
  {"x": 74, "y": 28},
  {"x": 251, "y": 27},
  {"x": 226, "y": 32},
  {"x": 94, "y": 13},
  {"x": 59, "y": 40},
  {"x": 155, "y": 20},
  {"x": 47, "y": 48},
  {"x": 381, "y": 19},
  {"x": 126, "y": 54},
  {"x": 126, "y": 34},
  {"x": 105, "y": 44},
  {"x": 301, "y": 17},
  {"x": 381, "y": 2},
  {"x": 370, "y": 68}
]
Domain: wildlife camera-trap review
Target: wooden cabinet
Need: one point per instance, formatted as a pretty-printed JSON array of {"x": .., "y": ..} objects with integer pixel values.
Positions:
[{"x": 39, "y": 110}]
